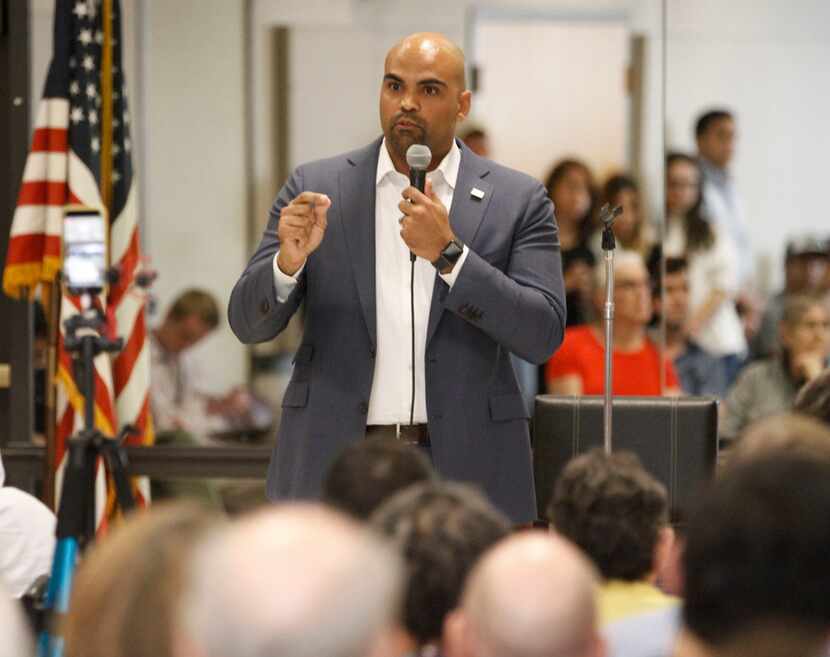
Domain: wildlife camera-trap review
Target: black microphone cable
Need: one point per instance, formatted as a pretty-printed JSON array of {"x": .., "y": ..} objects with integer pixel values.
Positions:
[{"x": 412, "y": 326}]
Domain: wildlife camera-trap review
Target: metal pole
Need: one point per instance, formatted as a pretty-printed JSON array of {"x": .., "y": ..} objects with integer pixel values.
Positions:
[{"x": 609, "y": 348}]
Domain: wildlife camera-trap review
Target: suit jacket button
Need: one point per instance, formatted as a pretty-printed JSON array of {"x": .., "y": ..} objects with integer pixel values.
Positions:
[
  {"x": 371, "y": 352},
  {"x": 264, "y": 307},
  {"x": 363, "y": 407}
]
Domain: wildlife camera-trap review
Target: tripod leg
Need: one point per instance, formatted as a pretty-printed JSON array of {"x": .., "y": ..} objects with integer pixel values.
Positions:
[{"x": 116, "y": 459}]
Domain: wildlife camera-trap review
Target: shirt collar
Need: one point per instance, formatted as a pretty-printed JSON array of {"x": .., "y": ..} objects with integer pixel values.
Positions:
[{"x": 448, "y": 168}]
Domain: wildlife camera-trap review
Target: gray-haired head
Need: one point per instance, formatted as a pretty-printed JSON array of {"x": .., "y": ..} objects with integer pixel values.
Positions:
[{"x": 298, "y": 581}]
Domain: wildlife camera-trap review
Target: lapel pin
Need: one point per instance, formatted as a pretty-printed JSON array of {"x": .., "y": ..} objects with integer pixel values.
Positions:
[{"x": 475, "y": 192}]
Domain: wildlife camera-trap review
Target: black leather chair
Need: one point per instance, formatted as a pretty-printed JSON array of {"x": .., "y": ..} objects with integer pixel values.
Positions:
[{"x": 675, "y": 438}]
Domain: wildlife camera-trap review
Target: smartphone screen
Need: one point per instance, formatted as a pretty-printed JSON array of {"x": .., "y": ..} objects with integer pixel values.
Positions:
[{"x": 84, "y": 250}]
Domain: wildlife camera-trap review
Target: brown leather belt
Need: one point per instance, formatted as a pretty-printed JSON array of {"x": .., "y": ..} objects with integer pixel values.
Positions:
[{"x": 413, "y": 434}]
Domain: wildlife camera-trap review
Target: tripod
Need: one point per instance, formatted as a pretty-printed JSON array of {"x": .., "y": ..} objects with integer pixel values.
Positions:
[{"x": 76, "y": 515}]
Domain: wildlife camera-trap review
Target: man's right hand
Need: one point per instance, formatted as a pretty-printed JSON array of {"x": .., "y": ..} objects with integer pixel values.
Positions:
[{"x": 302, "y": 226}]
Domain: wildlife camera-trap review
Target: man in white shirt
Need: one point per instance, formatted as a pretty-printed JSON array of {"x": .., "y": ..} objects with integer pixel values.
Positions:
[{"x": 421, "y": 351}]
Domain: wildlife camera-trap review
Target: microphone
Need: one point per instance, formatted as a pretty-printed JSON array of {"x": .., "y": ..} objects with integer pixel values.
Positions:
[
  {"x": 418, "y": 157},
  {"x": 607, "y": 215}
]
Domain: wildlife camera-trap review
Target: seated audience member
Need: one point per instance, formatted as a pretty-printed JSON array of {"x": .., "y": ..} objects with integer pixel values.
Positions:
[
  {"x": 532, "y": 595},
  {"x": 805, "y": 262},
  {"x": 128, "y": 586},
  {"x": 15, "y": 640},
  {"x": 757, "y": 575},
  {"x": 712, "y": 265},
  {"x": 699, "y": 372},
  {"x": 27, "y": 538},
  {"x": 617, "y": 513},
  {"x": 814, "y": 398},
  {"x": 630, "y": 228},
  {"x": 370, "y": 471},
  {"x": 441, "y": 529},
  {"x": 179, "y": 408},
  {"x": 578, "y": 367},
  {"x": 570, "y": 186},
  {"x": 770, "y": 386},
  {"x": 476, "y": 139},
  {"x": 298, "y": 580}
]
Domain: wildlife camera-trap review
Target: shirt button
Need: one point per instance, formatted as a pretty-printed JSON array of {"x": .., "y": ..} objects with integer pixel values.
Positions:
[{"x": 363, "y": 407}]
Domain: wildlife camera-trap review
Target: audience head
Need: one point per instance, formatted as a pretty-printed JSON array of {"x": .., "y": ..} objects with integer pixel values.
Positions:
[
  {"x": 532, "y": 595},
  {"x": 785, "y": 432},
  {"x": 814, "y": 398},
  {"x": 629, "y": 227},
  {"x": 715, "y": 132},
  {"x": 632, "y": 289},
  {"x": 805, "y": 329},
  {"x": 805, "y": 264},
  {"x": 477, "y": 141},
  {"x": 370, "y": 471},
  {"x": 754, "y": 559},
  {"x": 130, "y": 582},
  {"x": 297, "y": 580},
  {"x": 570, "y": 186},
  {"x": 672, "y": 300},
  {"x": 442, "y": 529},
  {"x": 615, "y": 511},
  {"x": 684, "y": 199},
  {"x": 193, "y": 315},
  {"x": 414, "y": 112}
]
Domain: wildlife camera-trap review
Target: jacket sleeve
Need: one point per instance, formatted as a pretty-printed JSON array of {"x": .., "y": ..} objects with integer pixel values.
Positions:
[
  {"x": 522, "y": 308},
  {"x": 254, "y": 312}
]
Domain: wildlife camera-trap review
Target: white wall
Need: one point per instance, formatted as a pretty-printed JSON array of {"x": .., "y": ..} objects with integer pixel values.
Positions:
[
  {"x": 196, "y": 206},
  {"x": 767, "y": 61}
]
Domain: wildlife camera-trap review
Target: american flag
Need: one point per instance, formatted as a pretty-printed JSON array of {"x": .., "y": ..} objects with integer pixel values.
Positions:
[{"x": 82, "y": 154}]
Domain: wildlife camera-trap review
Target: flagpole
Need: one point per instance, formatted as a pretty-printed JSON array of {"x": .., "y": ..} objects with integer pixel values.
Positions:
[
  {"x": 53, "y": 314},
  {"x": 106, "y": 108}
]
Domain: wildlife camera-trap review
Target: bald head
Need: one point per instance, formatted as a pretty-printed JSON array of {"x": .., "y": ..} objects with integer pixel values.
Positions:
[
  {"x": 277, "y": 577},
  {"x": 424, "y": 96},
  {"x": 533, "y": 595},
  {"x": 433, "y": 47}
]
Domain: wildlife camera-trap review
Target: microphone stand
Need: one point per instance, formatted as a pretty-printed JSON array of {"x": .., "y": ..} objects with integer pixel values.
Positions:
[{"x": 609, "y": 244}]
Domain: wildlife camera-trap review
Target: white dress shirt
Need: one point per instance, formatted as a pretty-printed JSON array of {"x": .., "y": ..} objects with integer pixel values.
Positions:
[{"x": 390, "y": 398}]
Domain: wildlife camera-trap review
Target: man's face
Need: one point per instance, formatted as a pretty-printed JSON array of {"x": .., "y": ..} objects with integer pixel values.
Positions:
[
  {"x": 422, "y": 98},
  {"x": 717, "y": 144},
  {"x": 189, "y": 330},
  {"x": 676, "y": 298},
  {"x": 632, "y": 294}
]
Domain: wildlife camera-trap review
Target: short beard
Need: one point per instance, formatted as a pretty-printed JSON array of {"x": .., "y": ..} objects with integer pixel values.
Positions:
[{"x": 400, "y": 146}]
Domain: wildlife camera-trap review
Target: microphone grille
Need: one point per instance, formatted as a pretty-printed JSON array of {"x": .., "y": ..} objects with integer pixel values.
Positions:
[{"x": 418, "y": 156}]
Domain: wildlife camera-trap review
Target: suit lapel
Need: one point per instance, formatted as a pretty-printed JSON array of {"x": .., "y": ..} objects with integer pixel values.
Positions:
[
  {"x": 357, "y": 215},
  {"x": 466, "y": 214}
]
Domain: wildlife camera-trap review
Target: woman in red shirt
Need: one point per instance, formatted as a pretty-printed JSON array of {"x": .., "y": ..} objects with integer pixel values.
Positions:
[{"x": 578, "y": 367}]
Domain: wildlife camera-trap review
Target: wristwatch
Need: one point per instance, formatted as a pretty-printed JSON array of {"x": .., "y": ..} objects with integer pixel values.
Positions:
[{"x": 449, "y": 256}]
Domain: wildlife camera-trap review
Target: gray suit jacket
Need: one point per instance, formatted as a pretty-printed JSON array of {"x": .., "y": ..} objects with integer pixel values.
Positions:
[{"x": 508, "y": 297}]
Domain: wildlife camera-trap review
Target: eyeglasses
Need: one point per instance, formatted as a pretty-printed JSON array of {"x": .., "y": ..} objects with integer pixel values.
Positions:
[
  {"x": 815, "y": 326},
  {"x": 631, "y": 286}
]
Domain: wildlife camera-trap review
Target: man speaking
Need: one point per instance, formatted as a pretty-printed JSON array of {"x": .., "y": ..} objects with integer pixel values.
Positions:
[{"x": 414, "y": 300}]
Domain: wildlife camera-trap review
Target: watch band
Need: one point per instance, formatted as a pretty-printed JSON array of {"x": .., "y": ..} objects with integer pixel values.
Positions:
[{"x": 449, "y": 255}]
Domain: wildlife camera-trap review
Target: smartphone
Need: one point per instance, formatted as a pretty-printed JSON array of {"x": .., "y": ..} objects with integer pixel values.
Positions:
[{"x": 84, "y": 249}]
